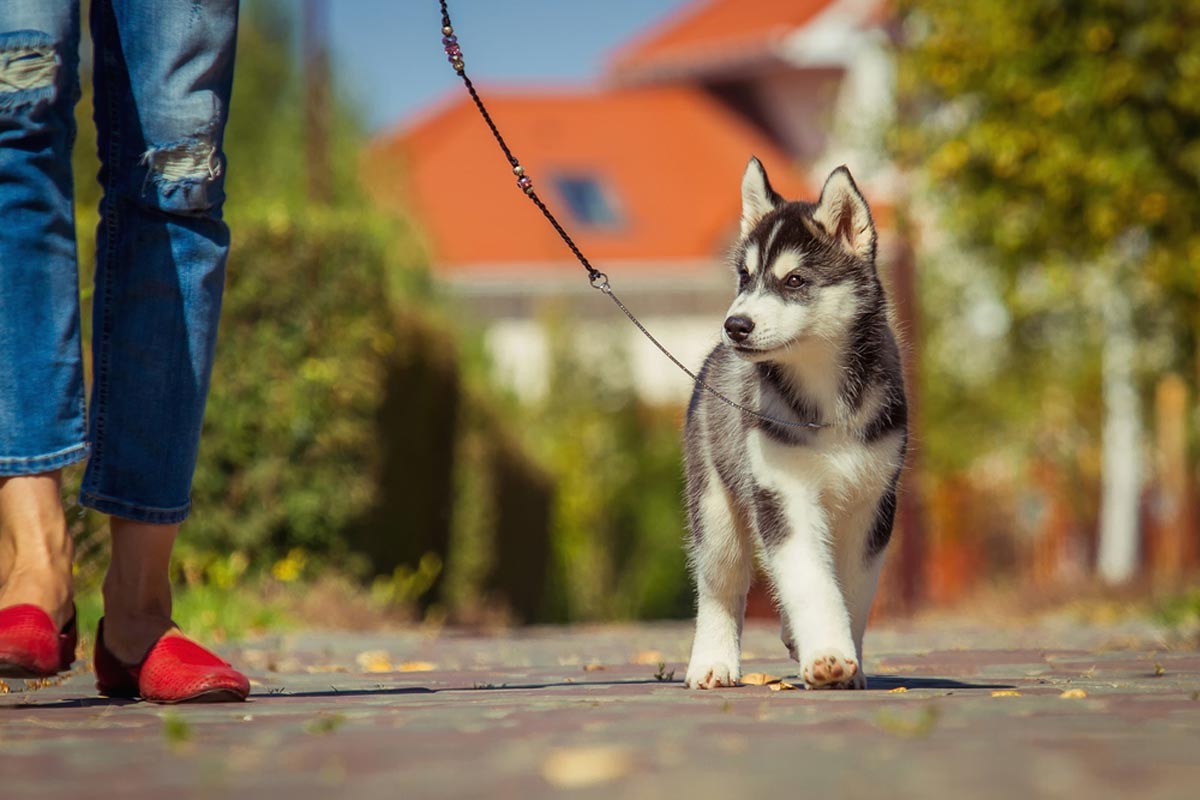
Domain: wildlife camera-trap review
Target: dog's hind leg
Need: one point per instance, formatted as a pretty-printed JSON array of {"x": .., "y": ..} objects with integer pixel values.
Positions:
[
  {"x": 721, "y": 558},
  {"x": 860, "y": 592},
  {"x": 786, "y": 636}
]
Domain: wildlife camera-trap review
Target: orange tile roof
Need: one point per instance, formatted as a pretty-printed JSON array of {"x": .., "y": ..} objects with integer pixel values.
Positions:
[
  {"x": 671, "y": 157},
  {"x": 715, "y": 33}
]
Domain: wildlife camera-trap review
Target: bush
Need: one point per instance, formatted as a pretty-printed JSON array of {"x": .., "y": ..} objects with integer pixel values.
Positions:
[{"x": 289, "y": 455}]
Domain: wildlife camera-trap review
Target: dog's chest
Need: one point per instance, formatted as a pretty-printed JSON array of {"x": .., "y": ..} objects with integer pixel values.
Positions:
[{"x": 833, "y": 465}]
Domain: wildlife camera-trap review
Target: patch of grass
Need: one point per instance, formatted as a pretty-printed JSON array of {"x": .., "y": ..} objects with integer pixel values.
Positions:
[
  {"x": 1180, "y": 610},
  {"x": 325, "y": 724},
  {"x": 210, "y": 614},
  {"x": 176, "y": 730}
]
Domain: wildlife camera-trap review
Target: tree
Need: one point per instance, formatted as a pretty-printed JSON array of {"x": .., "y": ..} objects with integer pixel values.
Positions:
[{"x": 1062, "y": 140}]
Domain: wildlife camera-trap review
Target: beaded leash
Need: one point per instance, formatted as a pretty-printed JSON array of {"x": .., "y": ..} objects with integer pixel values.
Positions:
[{"x": 596, "y": 278}]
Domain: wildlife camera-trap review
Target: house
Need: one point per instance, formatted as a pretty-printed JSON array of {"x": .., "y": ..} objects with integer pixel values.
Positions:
[
  {"x": 815, "y": 76},
  {"x": 644, "y": 170}
]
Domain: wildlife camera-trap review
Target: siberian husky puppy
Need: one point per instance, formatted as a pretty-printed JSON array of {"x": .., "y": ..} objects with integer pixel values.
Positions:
[{"x": 807, "y": 340}]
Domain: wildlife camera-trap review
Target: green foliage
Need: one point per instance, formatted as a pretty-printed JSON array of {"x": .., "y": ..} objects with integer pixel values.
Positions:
[
  {"x": 617, "y": 524},
  {"x": 265, "y": 136},
  {"x": 289, "y": 454},
  {"x": 210, "y": 611},
  {"x": 1056, "y": 126},
  {"x": 1181, "y": 611},
  {"x": 1041, "y": 135}
]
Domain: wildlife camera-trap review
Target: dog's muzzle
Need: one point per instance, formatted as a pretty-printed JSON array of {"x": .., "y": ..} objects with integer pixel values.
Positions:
[{"x": 738, "y": 328}]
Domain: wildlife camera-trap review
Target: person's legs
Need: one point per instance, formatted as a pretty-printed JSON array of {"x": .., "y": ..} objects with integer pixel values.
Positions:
[
  {"x": 163, "y": 79},
  {"x": 41, "y": 375},
  {"x": 137, "y": 588}
]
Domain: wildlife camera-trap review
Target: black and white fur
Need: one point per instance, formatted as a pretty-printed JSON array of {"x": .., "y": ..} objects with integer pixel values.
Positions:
[{"x": 808, "y": 339}]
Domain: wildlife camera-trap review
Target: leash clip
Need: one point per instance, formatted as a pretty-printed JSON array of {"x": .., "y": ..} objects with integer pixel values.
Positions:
[{"x": 600, "y": 281}]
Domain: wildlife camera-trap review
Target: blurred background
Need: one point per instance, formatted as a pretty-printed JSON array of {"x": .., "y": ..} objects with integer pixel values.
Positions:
[{"x": 421, "y": 411}]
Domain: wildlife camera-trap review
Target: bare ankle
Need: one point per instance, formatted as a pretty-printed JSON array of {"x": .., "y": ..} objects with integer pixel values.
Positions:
[
  {"x": 137, "y": 588},
  {"x": 36, "y": 550},
  {"x": 129, "y": 637}
]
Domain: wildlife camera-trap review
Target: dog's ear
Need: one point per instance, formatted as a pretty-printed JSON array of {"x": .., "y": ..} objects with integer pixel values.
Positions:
[
  {"x": 758, "y": 198},
  {"x": 844, "y": 214}
]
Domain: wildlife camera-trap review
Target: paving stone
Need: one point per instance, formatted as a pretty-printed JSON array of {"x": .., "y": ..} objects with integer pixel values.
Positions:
[{"x": 953, "y": 710}]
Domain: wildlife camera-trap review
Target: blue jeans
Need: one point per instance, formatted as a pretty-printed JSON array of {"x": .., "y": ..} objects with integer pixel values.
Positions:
[{"x": 163, "y": 72}]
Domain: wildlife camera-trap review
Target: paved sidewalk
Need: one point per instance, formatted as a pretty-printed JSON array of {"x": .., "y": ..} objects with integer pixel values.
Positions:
[{"x": 952, "y": 712}]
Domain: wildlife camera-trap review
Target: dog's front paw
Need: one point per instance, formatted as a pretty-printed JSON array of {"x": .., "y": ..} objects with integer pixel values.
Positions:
[
  {"x": 712, "y": 673},
  {"x": 829, "y": 669}
]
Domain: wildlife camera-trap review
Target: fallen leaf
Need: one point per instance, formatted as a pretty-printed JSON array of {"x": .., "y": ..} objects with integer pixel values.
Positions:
[
  {"x": 1159, "y": 670},
  {"x": 1006, "y": 693},
  {"x": 1074, "y": 694},
  {"x": 780, "y": 686},
  {"x": 898, "y": 690},
  {"x": 594, "y": 667},
  {"x": 374, "y": 661},
  {"x": 910, "y": 725},
  {"x": 579, "y": 767},
  {"x": 650, "y": 657},
  {"x": 758, "y": 679},
  {"x": 416, "y": 666}
]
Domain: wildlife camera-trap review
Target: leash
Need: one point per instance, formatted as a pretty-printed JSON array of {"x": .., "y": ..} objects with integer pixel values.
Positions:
[{"x": 596, "y": 278}]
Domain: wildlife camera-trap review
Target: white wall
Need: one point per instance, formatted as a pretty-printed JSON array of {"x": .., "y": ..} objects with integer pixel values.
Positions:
[{"x": 520, "y": 353}]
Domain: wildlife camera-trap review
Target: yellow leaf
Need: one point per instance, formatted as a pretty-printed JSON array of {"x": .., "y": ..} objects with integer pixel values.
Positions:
[
  {"x": 1074, "y": 694},
  {"x": 651, "y": 657},
  {"x": 780, "y": 686},
  {"x": 579, "y": 767},
  {"x": 416, "y": 666},
  {"x": 758, "y": 679},
  {"x": 594, "y": 667},
  {"x": 1006, "y": 693},
  {"x": 898, "y": 690},
  {"x": 374, "y": 661}
]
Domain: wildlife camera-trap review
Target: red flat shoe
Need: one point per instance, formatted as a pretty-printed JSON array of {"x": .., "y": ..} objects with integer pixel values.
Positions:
[
  {"x": 30, "y": 646},
  {"x": 176, "y": 670}
]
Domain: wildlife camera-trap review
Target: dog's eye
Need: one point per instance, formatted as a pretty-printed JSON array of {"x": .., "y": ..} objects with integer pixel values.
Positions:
[
  {"x": 793, "y": 282},
  {"x": 743, "y": 277}
]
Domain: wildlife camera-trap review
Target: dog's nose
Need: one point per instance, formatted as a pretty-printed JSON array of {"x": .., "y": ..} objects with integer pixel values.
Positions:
[{"x": 739, "y": 328}]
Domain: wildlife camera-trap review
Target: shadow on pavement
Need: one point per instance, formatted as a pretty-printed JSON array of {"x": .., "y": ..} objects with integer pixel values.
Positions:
[
  {"x": 877, "y": 683},
  {"x": 477, "y": 687},
  {"x": 885, "y": 683},
  {"x": 76, "y": 702}
]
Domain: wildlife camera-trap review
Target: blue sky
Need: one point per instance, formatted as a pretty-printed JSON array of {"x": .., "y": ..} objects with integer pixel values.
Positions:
[{"x": 388, "y": 53}]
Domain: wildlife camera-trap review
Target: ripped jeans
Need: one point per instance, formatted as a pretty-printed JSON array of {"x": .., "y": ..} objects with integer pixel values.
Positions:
[{"x": 163, "y": 71}]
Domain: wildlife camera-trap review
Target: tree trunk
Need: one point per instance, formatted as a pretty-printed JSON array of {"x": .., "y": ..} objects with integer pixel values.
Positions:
[
  {"x": 1118, "y": 552},
  {"x": 317, "y": 106}
]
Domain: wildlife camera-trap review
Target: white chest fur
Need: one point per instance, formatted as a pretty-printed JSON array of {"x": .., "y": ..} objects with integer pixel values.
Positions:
[{"x": 834, "y": 469}]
